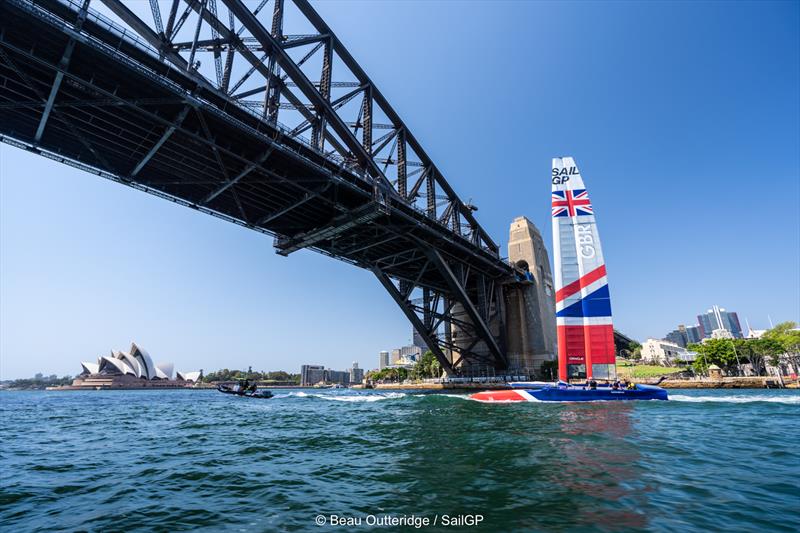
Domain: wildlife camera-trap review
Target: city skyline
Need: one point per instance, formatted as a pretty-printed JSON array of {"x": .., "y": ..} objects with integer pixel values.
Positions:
[{"x": 670, "y": 141}]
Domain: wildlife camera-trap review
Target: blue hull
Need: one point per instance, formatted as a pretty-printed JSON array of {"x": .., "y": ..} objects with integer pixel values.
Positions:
[{"x": 579, "y": 394}]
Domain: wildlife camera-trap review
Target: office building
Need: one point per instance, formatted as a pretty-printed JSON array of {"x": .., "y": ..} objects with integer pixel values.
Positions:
[
  {"x": 416, "y": 340},
  {"x": 684, "y": 336},
  {"x": 383, "y": 360},
  {"x": 356, "y": 374},
  {"x": 311, "y": 375},
  {"x": 340, "y": 377},
  {"x": 717, "y": 318}
]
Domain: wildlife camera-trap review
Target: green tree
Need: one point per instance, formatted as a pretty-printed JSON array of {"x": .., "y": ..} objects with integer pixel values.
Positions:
[
  {"x": 718, "y": 352},
  {"x": 636, "y": 352},
  {"x": 787, "y": 335},
  {"x": 427, "y": 367},
  {"x": 761, "y": 350},
  {"x": 388, "y": 375}
]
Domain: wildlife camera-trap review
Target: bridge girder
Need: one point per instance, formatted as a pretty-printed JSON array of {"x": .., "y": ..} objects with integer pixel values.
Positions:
[{"x": 132, "y": 102}]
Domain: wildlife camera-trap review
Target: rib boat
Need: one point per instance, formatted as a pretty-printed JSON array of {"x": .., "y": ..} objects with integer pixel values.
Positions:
[
  {"x": 248, "y": 392},
  {"x": 583, "y": 306}
]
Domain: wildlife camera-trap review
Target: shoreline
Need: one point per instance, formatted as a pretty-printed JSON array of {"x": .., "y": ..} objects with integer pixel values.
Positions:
[
  {"x": 757, "y": 383},
  {"x": 762, "y": 382}
]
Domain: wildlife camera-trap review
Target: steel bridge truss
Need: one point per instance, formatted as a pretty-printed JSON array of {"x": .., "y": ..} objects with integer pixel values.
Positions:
[{"x": 261, "y": 116}]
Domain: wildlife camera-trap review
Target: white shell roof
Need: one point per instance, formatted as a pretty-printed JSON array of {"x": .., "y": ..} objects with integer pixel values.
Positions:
[
  {"x": 188, "y": 376},
  {"x": 137, "y": 363},
  {"x": 149, "y": 370},
  {"x": 90, "y": 368},
  {"x": 166, "y": 368},
  {"x": 117, "y": 364},
  {"x": 132, "y": 362}
]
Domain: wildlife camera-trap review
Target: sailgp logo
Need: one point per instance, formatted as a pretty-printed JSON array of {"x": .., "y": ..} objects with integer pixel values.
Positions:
[{"x": 561, "y": 175}]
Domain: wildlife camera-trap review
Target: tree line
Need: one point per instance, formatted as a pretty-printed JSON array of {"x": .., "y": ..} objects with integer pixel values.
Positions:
[
  {"x": 427, "y": 367},
  {"x": 39, "y": 381},
  {"x": 236, "y": 375},
  {"x": 779, "y": 346}
]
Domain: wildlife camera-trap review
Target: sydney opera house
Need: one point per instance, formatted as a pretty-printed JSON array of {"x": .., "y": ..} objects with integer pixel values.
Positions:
[{"x": 133, "y": 369}]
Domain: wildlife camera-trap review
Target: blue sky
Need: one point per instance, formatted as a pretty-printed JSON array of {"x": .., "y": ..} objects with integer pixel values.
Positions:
[{"x": 684, "y": 119}]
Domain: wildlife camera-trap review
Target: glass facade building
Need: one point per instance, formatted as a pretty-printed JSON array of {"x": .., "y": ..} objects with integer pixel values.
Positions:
[{"x": 718, "y": 318}]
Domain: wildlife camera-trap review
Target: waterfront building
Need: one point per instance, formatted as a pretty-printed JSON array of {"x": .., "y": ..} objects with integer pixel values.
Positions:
[
  {"x": 383, "y": 360},
  {"x": 311, "y": 375},
  {"x": 718, "y": 318},
  {"x": 129, "y": 370},
  {"x": 661, "y": 352},
  {"x": 341, "y": 377},
  {"x": 395, "y": 356},
  {"x": 356, "y": 374}
]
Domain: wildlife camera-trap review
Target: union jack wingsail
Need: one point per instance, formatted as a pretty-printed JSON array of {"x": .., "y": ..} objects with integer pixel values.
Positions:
[{"x": 583, "y": 306}]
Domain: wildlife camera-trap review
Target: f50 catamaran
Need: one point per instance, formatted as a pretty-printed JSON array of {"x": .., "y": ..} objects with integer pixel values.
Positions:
[{"x": 583, "y": 304}]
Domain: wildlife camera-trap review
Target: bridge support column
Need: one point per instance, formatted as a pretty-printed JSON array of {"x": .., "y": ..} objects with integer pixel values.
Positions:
[{"x": 428, "y": 335}]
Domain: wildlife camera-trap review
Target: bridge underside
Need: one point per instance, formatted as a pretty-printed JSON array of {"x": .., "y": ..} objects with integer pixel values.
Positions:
[{"x": 74, "y": 90}]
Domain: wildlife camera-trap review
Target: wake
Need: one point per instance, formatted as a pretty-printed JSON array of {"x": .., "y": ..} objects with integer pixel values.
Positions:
[
  {"x": 374, "y": 397},
  {"x": 793, "y": 399}
]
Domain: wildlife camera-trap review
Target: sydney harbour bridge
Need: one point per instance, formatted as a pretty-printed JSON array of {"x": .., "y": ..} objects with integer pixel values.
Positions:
[{"x": 258, "y": 114}]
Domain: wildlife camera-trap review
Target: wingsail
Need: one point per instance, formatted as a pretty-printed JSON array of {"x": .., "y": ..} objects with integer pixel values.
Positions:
[{"x": 583, "y": 304}]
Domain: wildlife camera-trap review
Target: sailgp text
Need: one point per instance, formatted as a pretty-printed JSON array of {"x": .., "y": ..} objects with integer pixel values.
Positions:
[{"x": 561, "y": 175}]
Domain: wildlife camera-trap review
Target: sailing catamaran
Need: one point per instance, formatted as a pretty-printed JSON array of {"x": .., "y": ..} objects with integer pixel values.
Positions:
[{"x": 583, "y": 304}]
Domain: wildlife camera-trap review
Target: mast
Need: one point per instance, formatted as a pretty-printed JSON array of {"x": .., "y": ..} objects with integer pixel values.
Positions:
[{"x": 583, "y": 305}]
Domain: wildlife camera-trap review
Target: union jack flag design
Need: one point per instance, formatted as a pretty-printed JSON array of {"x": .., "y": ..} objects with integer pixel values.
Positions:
[{"x": 571, "y": 203}]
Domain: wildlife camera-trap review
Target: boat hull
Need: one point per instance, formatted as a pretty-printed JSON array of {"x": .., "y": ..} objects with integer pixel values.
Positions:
[
  {"x": 261, "y": 394},
  {"x": 572, "y": 394}
]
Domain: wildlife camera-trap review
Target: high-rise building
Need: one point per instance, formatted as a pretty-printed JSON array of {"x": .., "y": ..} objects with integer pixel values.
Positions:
[
  {"x": 684, "y": 336},
  {"x": 356, "y": 374},
  {"x": 416, "y": 340},
  {"x": 311, "y": 375},
  {"x": 717, "y": 318},
  {"x": 383, "y": 360},
  {"x": 693, "y": 334},
  {"x": 677, "y": 337}
]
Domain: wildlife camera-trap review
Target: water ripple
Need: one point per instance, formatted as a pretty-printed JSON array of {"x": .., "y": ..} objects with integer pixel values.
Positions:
[{"x": 156, "y": 460}]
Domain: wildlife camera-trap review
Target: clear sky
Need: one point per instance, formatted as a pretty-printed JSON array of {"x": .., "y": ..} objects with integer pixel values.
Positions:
[{"x": 683, "y": 116}]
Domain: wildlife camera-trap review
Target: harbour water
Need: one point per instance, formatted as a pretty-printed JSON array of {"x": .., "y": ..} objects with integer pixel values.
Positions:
[{"x": 177, "y": 460}]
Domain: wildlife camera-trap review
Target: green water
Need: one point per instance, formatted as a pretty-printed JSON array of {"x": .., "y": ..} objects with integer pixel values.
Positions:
[{"x": 181, "y": 460}]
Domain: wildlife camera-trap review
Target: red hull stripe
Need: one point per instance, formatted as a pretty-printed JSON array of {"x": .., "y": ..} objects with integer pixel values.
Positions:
[
  {"x": 499, "y": 396},
  {"x": 578, "y": 284}
]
